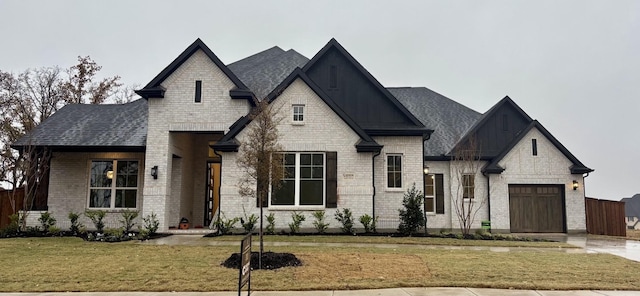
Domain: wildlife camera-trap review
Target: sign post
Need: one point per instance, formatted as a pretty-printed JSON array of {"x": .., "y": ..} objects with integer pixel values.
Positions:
[{"x": 244, "y": 277}]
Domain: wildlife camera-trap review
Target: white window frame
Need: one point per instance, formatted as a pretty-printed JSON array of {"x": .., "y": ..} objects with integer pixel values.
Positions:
[
  {"x": 113, "y": 187},
  {"x": 297, "y": 112},
  {"x": 296, "y": 197},
  {"x": 387, "y": 171},
  {"x": 433, "y": 196}
]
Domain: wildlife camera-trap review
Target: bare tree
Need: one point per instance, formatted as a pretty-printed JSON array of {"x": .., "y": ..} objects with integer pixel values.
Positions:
[
  {"x": 260, "y": 159},
  {"x": 29, "y": 98},
  {"x": 82, "y": 89},
  {"x": 467, "y": 201}
]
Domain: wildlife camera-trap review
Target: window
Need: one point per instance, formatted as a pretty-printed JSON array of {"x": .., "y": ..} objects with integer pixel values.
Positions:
[
  {"x": 333, "y": 76},
  {"x": 534, "y": 147},
  {"x": 429, "y": 193},
  {"x": 104, "y": 192},
  {"x": 394, "y": 171},
  {"x": 468, "y": 186},
  {"x": 298, "y": 113},
  {"x": 304, "y": 180},
  {"x": 198, "y": 91}
]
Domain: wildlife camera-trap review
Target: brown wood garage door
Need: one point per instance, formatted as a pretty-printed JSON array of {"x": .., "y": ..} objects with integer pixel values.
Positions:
[{"x": 536, "y": 208}]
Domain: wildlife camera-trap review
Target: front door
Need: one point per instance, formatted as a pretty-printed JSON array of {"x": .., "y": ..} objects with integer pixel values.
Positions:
[{"x": 212, "y": 206}]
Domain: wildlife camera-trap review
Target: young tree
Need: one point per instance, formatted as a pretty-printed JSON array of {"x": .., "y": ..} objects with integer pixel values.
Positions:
[
  {"x": 260, "y": 159},
  {"x": 467, "y": 201}
]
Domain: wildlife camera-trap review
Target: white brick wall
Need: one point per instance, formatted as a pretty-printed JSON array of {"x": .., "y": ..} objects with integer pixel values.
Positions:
[
  {"x": 69, "y": 186},
  {"x": 177, "y": 111},
  {"x": 550, "y": 166},
  {"x": 389, "y": 200},
  {"x": 322, "y": 131}
]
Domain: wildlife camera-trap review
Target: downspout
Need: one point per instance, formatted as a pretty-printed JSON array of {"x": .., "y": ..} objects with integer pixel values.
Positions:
[{"x": 373, "y": 182}]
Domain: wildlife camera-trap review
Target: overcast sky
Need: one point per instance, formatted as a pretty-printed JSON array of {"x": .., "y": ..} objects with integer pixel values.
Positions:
[{"x": 573, "y": 65}]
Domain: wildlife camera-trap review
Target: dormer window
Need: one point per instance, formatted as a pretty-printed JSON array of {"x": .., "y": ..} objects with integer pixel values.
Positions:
[{"x": 298, "y": 113}]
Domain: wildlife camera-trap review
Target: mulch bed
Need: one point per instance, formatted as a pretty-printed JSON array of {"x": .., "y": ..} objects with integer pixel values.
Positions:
[{"x": 270, "y": 260}]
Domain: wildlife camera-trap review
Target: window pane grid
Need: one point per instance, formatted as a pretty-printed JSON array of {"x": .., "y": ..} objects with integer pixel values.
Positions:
[
  {"x": 102, "y": 186},
  {"x": 298, "y": 113},
  {"x": 304, "y": 181},
  {"x": 429, "y": 193},
  {"x": 394, "y": 171},
  {"x": 468, "y": 186}
]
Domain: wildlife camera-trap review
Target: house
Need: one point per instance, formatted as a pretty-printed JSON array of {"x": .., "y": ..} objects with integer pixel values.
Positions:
[
  {"x": 348, "y": 142},
  {"x": 632, "y": 211}
]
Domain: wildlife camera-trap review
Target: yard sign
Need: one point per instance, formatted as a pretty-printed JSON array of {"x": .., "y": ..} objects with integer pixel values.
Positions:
[{"x": 244, "y": 277}]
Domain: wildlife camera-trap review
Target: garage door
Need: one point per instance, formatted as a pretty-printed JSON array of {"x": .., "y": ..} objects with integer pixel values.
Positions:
[{"x": 536, "y": 208}]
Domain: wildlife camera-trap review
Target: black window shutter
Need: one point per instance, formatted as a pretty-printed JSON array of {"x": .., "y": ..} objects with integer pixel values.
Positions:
[
  {"x": 265, "y": 200},
  {"x": 439, "y": 194},
  {"x": 332, "y": 180}
]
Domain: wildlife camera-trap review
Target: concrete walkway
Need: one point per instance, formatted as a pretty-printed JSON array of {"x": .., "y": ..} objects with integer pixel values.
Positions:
[{"x": 378, "y": 292}]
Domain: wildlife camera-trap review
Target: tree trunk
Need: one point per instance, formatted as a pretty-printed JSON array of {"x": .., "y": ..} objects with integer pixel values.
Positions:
[{"x": 260, "y": 234}]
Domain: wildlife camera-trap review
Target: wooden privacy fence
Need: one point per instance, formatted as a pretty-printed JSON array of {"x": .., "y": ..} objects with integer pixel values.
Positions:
[
  {"x": 605, "y": 217},
  {"x": 5, "y": 204}
]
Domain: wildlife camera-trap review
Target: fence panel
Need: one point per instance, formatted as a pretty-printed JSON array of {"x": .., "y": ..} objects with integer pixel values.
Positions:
[
  {"x": 6, "y": 210},
  {"x": 605, "y": 217}
]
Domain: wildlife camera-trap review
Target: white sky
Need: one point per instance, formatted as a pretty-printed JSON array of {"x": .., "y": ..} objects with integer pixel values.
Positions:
[{"x": 573, "y": 65}]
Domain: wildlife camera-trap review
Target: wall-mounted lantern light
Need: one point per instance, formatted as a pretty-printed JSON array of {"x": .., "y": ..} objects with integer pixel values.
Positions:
[
  {"x": 426, "y": 170},
  {"x": 575, "y": 185},
  {"x": 154, "y": 172}
]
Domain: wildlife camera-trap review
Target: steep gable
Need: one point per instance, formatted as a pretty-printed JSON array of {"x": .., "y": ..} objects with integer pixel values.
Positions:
[
  {"x": 365, "y": 144},
  {"x": 154, "y": 88},
  {"x": 496, "y": 129},
  {"x": 359, "y": 94}
]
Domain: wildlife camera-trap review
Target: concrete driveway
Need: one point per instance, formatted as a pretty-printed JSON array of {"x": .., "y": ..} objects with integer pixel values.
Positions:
[{"x": 629, "y": 249}]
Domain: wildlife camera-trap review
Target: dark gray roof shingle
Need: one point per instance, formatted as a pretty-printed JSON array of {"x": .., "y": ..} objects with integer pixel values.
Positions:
[
  {"x": 80, "y": 125},
  {"x": 449, "y": 119},
  {"x": 632, "y": 206},
  {"x": 263, "y": 71}
]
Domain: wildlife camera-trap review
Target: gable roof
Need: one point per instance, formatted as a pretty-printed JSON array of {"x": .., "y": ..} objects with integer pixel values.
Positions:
[
  {"x": 577, "y": 168},
  {"x": 333, "y": 44},
  {"x": 366, "y": 143},
  {"x": 155, "y": 89},
  {"x": 484, "y": 120},
  {"x": 632, "y": 206},
  {"x": 449, "y": 119},
  {"x": 263, "y": 71},
  {"x": 84, "y": 127}
]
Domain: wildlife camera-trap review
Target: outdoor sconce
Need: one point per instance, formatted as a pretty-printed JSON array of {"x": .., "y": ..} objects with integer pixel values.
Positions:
[
  {"x": 575, "y": 185},
  {"x": 426, "y": 170},
  {"x": 109, "y": 175},
  {"x": 154, "y": 172}
]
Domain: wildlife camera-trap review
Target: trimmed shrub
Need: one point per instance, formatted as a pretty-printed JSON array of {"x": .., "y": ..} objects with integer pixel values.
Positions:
[
  {"x": 411, "y": 217},
  {"x": 319, "y": 223},
  {"x": 346, "y": 219}
]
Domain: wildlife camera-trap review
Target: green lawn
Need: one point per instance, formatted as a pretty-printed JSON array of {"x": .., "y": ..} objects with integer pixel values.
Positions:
[
  {"x": 434, "y": 241},
  {"x": 70, "y": 264}
]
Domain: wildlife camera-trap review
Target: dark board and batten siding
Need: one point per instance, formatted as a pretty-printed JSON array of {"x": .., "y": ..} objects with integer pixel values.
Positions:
[
  {"x": 499, "y": 130},
  {"x": 354, "y": 93}
]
